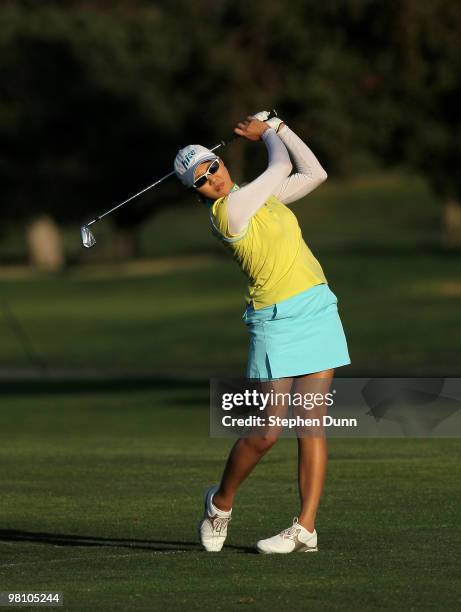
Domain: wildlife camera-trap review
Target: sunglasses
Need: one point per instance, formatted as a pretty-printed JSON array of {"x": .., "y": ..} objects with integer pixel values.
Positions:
[{"x": 212, "y": 169}]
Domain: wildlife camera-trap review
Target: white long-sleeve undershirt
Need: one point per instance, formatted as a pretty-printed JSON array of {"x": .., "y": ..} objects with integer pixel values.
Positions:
[
  {"x": 309, "y": 173},
  {"x": 276, "y": 180}
]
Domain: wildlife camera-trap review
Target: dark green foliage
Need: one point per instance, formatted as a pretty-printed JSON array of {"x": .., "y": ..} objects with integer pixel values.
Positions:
[
  {"x": 97, "y": 96},
  {"x": 86, "y": 112},
  {"x": 428, "y": 69}
]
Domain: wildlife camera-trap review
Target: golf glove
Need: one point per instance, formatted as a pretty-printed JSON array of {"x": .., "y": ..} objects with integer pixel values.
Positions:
[
  {"x": 274, "y": 122},
  {"x": 262, "y": 115}
]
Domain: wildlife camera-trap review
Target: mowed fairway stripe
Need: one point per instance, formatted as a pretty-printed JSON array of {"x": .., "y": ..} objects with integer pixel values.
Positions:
[{"x": 72, "y": 559}]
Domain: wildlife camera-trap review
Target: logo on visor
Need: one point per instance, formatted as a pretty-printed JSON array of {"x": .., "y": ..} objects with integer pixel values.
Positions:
[{"x": 186, "y": 161}]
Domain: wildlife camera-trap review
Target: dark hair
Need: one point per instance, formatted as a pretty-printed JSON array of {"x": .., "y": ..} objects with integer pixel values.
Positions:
[{"x": 201, "y": 198}]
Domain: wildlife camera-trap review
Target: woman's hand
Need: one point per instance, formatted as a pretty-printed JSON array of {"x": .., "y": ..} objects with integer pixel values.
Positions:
[{"x": 251, "y": 128}]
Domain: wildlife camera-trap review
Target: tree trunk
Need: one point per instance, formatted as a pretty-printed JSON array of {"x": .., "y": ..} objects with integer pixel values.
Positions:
[
  {"x": 451, "y": 224},
  {"x": 126, "y": 244},
  {"x": 44, "y": 240},
  {"x": 236, "y": 157}
]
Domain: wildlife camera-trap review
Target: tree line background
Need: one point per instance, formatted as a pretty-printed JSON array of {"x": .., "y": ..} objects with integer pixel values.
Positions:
[{"x": 97, "y": 97}]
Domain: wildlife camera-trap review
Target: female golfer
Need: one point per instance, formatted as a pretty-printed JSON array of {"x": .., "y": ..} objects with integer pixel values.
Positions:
[{"x": 295, "y": 331}]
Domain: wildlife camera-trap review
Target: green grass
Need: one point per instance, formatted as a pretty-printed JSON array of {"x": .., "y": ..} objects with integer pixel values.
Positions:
[
  {"x": 101, "y": 481},
  {"x": 400, "y": 312},
  {"x": 377, "y": 240},
  {"x": 384, "y": 210},
  {"x": 101, "y": 494}
]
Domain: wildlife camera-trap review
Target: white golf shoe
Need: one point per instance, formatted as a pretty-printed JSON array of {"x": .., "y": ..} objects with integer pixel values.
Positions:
[
  {"x": 294, "y": 539},
  {"x": 213, "y": 526}
]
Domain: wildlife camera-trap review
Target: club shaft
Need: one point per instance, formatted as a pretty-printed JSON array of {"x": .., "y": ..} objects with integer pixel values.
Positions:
[
  {"x": 108, "y": 212},
  {"x": 131, "y": 198}
]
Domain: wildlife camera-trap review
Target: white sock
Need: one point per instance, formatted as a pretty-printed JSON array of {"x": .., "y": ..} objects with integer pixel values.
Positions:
[{"x": 213, "y": 511}]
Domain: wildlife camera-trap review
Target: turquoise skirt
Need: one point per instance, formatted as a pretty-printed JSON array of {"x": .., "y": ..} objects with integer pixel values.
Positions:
[{"x": 300, "y": 335}]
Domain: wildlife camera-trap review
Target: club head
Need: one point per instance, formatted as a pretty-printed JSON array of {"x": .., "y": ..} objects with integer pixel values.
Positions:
[{"x": 88, "y": 240}]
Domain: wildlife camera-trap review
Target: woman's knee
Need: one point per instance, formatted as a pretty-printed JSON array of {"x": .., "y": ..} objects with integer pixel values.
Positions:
[{"x": 262, "y": 444}]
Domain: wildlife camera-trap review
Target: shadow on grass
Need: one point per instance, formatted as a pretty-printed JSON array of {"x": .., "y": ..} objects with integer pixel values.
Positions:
[
  {"x": 352, "y": 246},
  {"x": 49, "y": 385},
  {"x": 61, "y": 539},
  {"x": 378, "y": 249}
]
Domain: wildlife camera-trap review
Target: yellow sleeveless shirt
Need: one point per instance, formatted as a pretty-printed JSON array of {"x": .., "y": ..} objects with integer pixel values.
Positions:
[{"x": 271, "y": 252}]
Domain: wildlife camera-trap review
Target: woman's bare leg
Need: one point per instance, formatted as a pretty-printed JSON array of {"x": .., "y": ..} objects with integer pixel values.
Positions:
[
  {"x": 312, "y": 450},
  {"x": 247, "y": 452}
]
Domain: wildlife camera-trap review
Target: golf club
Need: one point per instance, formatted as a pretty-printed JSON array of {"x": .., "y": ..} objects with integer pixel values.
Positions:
[{"x": 88, "y": 239}]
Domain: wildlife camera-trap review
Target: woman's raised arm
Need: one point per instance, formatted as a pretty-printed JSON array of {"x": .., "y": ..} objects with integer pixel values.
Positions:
[
  {"x": 309, "y": 173},
  {"x": 245, "y": 202}
]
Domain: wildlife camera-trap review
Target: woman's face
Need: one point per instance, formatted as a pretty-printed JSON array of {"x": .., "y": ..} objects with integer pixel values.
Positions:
[{"x": 218, "y": 184}]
